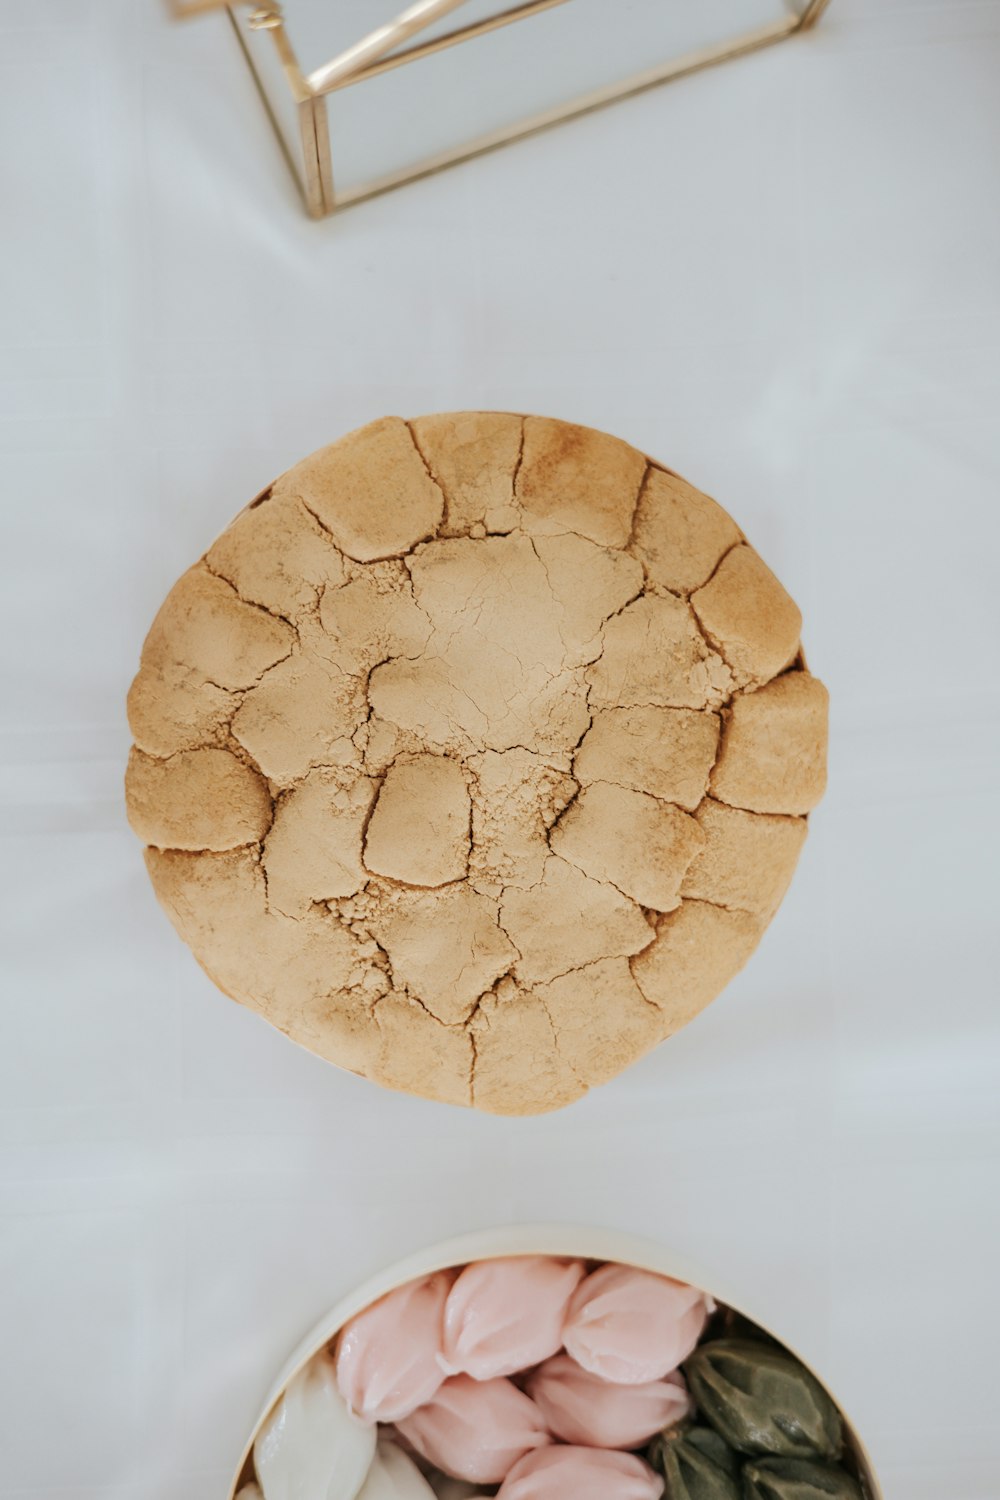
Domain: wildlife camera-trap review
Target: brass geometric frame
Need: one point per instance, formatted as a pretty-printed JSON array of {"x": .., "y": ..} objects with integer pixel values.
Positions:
[{"x": 310, "y": 155}]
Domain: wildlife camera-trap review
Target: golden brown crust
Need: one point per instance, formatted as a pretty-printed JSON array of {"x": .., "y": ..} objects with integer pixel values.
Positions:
[
  {"x": 518, "y": 1068},
  {"x": 667, "y": 752},
  {"x": 277, "y": 556},
  {"x": 462, "y": 757},
  {"x": 419, "y": 829},
  {"x": 347, "y": 486},
  {"x": 747, "y": 860},
  {"x": 312, "y": 852},
  {"x": 698, "y": 950},
  {"x": 773, "y": 754},
  {"x": 206, "y": 628},
  {"x": 196, "y": 799},
  {"x": 639, "y": 844},
  {"x": 473, "y": 457},
  {"x": 680, "y": 535},
  {"x": 578, "y": 480},
  {"x": 749, "y": 617}
]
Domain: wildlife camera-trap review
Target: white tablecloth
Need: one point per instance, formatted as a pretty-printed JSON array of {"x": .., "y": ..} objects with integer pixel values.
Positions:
[{"x": 783, "y": 278}]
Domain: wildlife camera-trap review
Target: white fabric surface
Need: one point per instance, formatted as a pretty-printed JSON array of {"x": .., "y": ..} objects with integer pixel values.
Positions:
[{"x": 783, "y": 278}]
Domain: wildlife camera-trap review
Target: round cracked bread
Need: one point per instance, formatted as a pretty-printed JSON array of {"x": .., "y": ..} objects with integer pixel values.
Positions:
[{"x": 475, "y": 756}]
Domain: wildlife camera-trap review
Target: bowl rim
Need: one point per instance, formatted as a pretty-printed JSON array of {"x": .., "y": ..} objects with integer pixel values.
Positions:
[{"x": 580, "y": 1242}]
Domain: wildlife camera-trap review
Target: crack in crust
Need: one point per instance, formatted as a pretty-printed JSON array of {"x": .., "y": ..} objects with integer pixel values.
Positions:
[{"x": 478, "y": 758}]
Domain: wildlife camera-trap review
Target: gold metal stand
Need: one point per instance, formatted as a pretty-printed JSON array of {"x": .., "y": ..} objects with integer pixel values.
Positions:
[{"x": 309, "y": 155}]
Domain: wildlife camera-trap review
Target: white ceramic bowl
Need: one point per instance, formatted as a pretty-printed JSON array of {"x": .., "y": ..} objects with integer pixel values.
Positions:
[{"x": 487, "y": 1244}]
